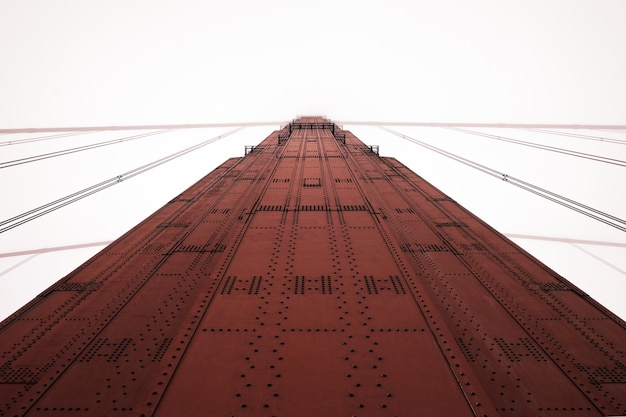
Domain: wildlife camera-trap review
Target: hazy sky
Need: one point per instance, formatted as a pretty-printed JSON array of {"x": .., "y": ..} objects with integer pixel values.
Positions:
[
  {"x": 129, "y": 62},
  {"x": 77, "y": 63}
]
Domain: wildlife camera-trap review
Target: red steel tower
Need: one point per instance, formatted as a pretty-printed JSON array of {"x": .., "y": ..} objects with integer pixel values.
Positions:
[{"x": 312, "y": 278}]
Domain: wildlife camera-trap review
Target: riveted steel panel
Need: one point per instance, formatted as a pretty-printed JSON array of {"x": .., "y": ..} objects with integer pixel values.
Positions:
[{"x": 312, "y": 277}]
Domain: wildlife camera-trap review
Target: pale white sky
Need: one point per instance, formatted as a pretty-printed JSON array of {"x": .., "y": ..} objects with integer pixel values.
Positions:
[{"x": 76, "y": 63}]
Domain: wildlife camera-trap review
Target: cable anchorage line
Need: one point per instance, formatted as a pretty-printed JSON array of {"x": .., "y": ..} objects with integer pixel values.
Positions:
[
  {"x": 37, "y": 212},
  {"x": 563, "y": 151},
  {"x": 595, "y": 214},
  {"x": 54, "y": 154}
]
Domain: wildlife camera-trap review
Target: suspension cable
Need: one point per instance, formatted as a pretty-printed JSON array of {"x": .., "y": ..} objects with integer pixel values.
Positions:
[
  {"x": 42, "y": 138},
  {"x": 601, "y": 216},
  {"x": 49, "y": 249},
  {"x": 79, "y": 195},
  {"x": 580, "y": 135},
  {"x": 621, "y": 130},
  {"x": 54, "y": 154},
  {"x": 154, "y": 127},
  {"x": 563, "y": 151}
]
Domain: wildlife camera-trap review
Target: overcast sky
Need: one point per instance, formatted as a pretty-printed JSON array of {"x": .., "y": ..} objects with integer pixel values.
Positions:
[{"x": 78, "y": 63}]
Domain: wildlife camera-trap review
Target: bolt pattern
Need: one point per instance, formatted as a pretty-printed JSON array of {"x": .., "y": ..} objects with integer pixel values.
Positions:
[{"x": 312, "y": 277}]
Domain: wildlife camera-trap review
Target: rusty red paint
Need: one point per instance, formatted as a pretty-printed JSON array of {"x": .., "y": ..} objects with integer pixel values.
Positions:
[{"x": 312, "y": 277}]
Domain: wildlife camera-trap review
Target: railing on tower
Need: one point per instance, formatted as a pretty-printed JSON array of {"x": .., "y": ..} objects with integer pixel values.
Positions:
[{"x": 298, "y": 124}]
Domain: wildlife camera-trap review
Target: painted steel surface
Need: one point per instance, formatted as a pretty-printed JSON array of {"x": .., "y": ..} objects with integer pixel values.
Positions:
[{"x": 312, "y": 278}]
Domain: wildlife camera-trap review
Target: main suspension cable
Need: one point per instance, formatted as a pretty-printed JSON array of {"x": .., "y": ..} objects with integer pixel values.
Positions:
[
  {"x": 601, "y": 216},
  {"x": 79, "y": 195},
  {"x": 54, "y": 154},
  {"x": 563, "y": 151}
]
